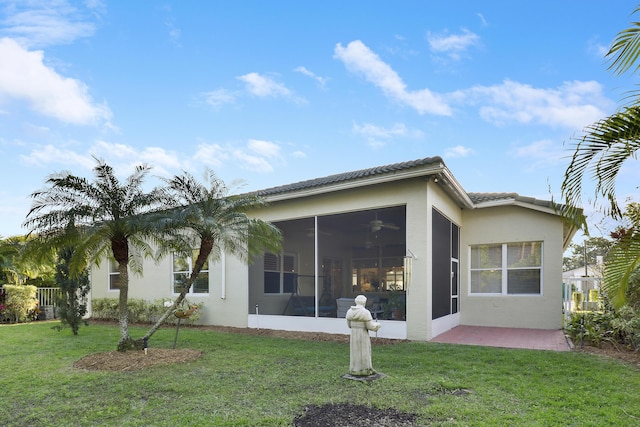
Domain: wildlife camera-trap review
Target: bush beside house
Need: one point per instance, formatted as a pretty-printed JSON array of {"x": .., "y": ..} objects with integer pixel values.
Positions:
[{"x": 21, "y": 303}]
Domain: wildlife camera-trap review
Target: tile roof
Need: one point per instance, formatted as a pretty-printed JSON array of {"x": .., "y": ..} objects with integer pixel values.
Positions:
[
  {"x": 349, "y": 176},
  {"x": 476, "y": 198},
  {"x": 479, "y": 198}
]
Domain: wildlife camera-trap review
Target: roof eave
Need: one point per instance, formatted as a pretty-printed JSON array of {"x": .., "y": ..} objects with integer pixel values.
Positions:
[
  {"x": 453, "y": 187},
  {"x": 423, "y": 171}
]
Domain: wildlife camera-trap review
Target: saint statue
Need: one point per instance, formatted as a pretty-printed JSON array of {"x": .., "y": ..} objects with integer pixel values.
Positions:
[{"x": 361, "y": 322}]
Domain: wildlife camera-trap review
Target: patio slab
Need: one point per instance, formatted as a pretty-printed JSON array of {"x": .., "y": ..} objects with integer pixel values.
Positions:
[{"x": 535, "y": 339}]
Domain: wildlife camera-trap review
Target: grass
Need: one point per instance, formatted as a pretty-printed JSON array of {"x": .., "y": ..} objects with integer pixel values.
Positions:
[{"x": 262, "y": 381}]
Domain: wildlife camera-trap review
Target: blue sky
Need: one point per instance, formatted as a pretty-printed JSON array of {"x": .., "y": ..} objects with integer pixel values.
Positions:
[{"x": 275, "y": 92}]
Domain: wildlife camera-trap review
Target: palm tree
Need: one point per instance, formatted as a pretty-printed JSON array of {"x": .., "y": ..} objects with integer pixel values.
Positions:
[
  {"x": 205, "y": 216},
  {"x": 9, "y": 252},
  {"x": 106, "y": 216},
  {"x": 600, "y": 153}
]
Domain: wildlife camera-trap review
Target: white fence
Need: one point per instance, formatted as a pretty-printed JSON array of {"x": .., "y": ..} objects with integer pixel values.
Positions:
[{"x": 48, "y": 296}]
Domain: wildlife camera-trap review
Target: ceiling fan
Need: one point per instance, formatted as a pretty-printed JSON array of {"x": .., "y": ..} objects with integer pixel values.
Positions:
[
  {"x": 377, "y": 225},
  {"x": 310, "y": 232}
]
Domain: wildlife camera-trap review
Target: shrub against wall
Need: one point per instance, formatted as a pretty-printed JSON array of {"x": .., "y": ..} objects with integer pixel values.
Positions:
[
  {"x": 21, "y": 302},
  {"x": 617, "y": 327},
  {"x": 140, "y": 311}
]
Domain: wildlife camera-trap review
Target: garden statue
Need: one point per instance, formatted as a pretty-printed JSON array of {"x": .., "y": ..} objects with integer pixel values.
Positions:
[{"x": 361, "y": 322}]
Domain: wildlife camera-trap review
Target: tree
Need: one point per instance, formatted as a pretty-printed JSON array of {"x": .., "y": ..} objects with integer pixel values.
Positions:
[
  {"x": 74, "y": 288},
  {"x": 600, "y": 152},
  {"x": 621, "y": 272},
  {"x": 19, "y": 267},
  {"x": 206, "y": 217},
  {"x": 9, "y": 251},
  {"x": 595, "y": 247},
  {"x": 107, "y": 218}
]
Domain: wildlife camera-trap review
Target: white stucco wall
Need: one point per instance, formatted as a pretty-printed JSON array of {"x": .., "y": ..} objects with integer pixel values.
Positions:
[{"x": 506, "y": 225}]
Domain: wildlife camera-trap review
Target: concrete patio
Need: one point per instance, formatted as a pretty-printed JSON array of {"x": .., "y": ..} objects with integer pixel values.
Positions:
[{"x": 535, "y": 339}]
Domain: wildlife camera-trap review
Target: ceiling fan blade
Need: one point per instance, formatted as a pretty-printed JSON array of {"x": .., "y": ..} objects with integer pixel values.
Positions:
[{"x": 390, "y": 226}]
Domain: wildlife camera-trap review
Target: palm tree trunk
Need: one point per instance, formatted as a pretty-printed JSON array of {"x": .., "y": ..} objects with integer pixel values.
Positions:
[{"x": 123, "y": 309}]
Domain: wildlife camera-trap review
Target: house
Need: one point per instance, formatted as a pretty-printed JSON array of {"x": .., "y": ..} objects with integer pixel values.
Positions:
[{"x": 427, "y": 254}]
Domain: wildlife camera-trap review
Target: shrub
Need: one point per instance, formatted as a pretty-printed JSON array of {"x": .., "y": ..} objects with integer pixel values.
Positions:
[
  {"x": 21, "y": 302},
  {"x": 140, "y": 311},
  {"x": 72, "y": 299},
  {"x": 618, "y": 327}
]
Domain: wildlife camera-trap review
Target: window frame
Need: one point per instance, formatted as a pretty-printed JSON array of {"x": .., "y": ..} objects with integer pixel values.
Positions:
[
  {"x": 285, "y": 287},
  {"x": 114, "y": 273},
  {"x": 189, "y": 261},
  {"x": 504, "y": 269}
]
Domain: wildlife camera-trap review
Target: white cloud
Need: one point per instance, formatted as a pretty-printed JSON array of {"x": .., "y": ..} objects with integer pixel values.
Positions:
[
  {"x": 452, "y": 44},
  {"x": 458, "y": 151},
  {"x": 378, "y": 136},
  {"x": 266, "y": 149},
  {"x": 482, "y": 20},
  {"x": 40, "y": 23},
  {"x": 24, "y": 77},
  {"x": 541, "y": 154},
  {"x": 217, "y": 98},
  {"x": 256, "y": 155},
  {"x": 260, "y": 85},
  {"x": 54, "y": 155},
  {"x": 303, "y": 70},
  {"x": 359, "y": 59},
  {"x": 123, "y": 158},
  {"x": 596, "y": 48},
  {"x": 212, "y": 155},
  {"x": 251, "y": 162},
  {"x": 266, "y": 87},
  {"x": 572, "y": 105}
]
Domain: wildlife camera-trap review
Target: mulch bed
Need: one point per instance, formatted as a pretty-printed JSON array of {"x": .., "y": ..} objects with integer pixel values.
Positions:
[{"x": 136, "y": 360}]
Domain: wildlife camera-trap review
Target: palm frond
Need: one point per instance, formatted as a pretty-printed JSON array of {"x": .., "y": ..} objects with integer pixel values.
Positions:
[
  {"x": 625, "y": 50},
  {"x": 622, "y": 261},
  {"x": 600, "y": 154}
]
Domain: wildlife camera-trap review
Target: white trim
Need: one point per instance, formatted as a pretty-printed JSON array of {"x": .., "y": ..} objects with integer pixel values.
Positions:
[
  {"x": 393, "y": 329},
  {"x": 444, "y": 324}
]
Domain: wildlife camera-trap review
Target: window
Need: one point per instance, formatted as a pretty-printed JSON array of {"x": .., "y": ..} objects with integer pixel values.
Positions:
[
  {"x": 279, "y": 273},
  {"x": 507, "y": 269},
  {"x": 114, "y": 275},
  {"x": 182, "y": 268}
]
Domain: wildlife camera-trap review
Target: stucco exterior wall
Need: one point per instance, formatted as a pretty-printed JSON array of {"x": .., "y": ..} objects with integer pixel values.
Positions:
[
  {"x": 419, "y": 213},
  {"x": 221, "y": 304},
  {"x": 231, "y": 301},
  {"x": 510, "y": 224}
]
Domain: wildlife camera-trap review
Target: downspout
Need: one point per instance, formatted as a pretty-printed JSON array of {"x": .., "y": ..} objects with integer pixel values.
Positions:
[{"x": 223, "y": 284}]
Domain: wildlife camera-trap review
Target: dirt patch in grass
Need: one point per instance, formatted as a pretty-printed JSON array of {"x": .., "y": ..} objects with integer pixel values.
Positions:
[
  {"x": 632, "y": 357},
  {"x": 136, "y": 360},
  {"x": 344, "y": 414}
]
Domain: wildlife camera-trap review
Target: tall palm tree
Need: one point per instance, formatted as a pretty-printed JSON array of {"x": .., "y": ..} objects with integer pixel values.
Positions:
[
  {"x": 206, "y": 217},
  {"x": 600, "y": 154},
  {"x": 107, "y": 216}
]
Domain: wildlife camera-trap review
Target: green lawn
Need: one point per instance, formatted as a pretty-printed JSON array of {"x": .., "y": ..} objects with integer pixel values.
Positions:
[{"x": 249, "y": 380}]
